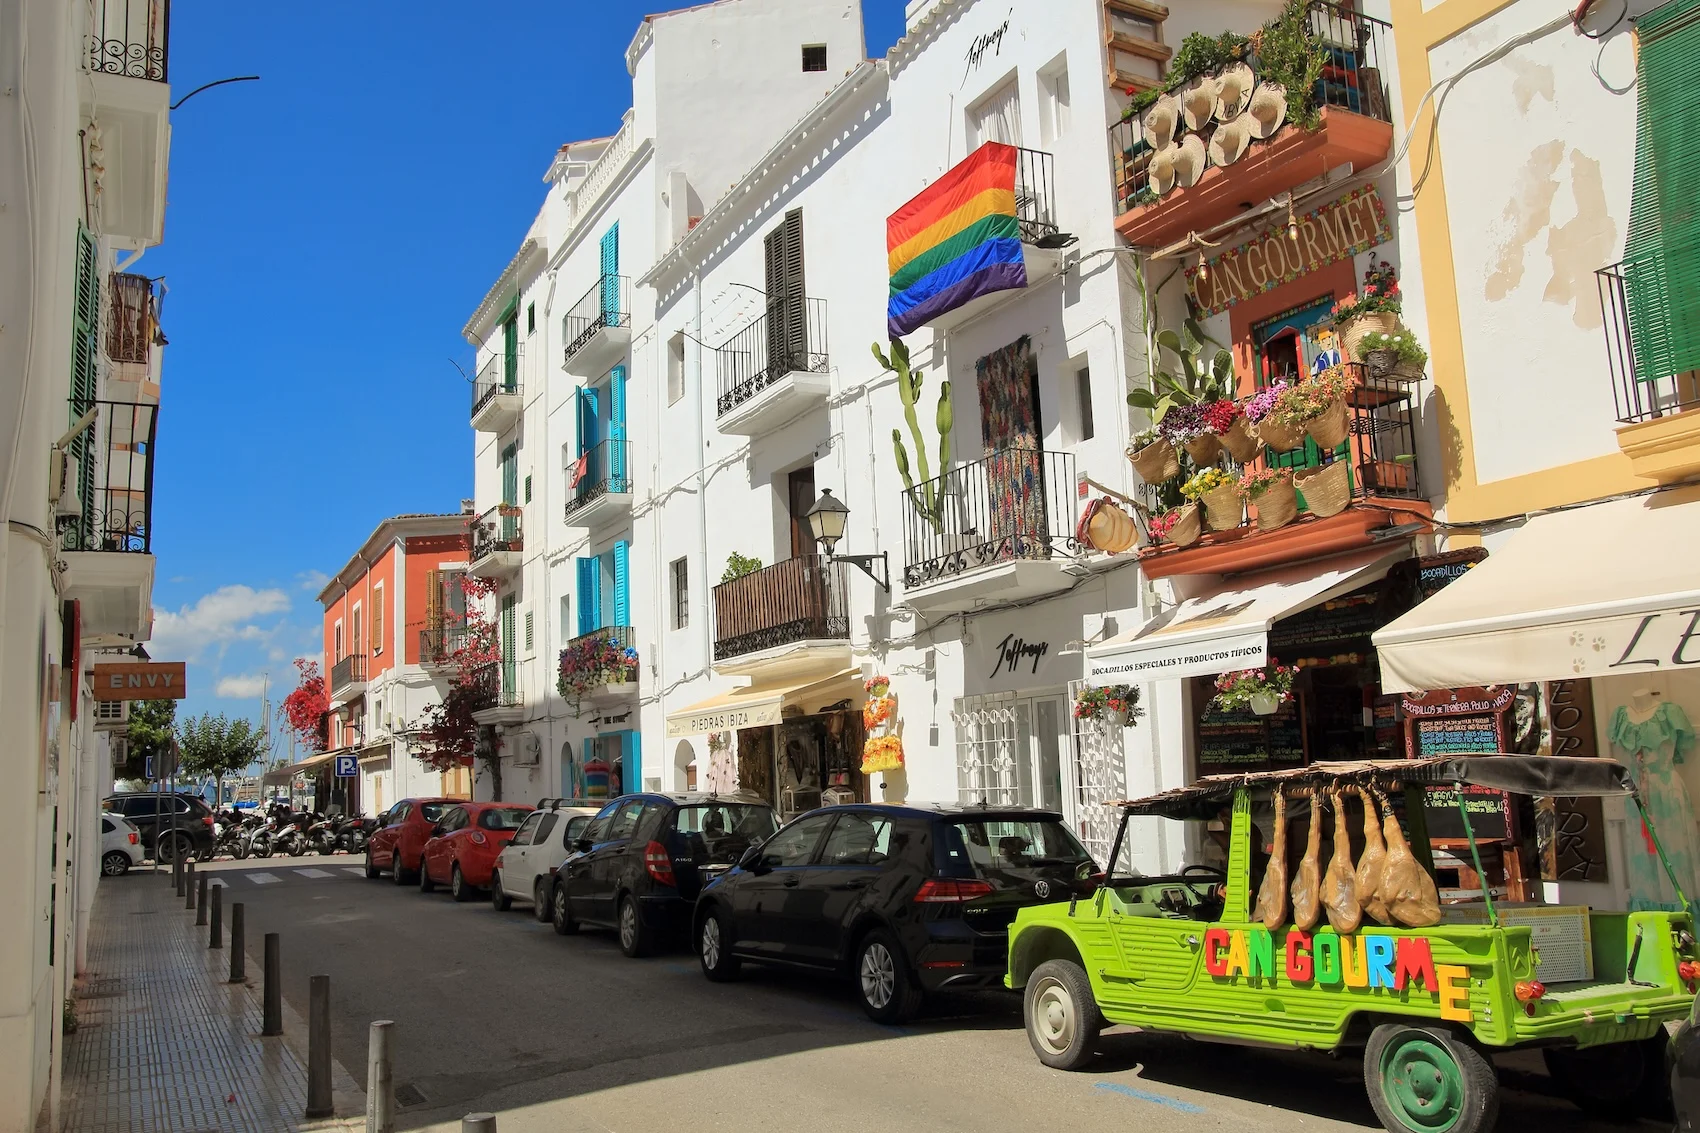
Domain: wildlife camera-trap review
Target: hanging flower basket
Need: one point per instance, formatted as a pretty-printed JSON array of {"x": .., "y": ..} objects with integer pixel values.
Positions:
[
  {"x": 1254, "y": 689},
  {"x": 1264, "y": 703},
  {"x": 1281, "y": 436},
  {"x": 1270, "y": 490},
  {"x": 1331, "y": 427},
  {"x": 1240, "y": 441},
  {"x": 1204, "y": 449},
  {"x": 1223, "y": 510},
  {"x": 1116, "y": 706},
  {"x": 1352, "y": 333},
  {"x": 1156, "y": 462},
  {"x": 1380, "y": 363},
  {"x": 1182, "y": 526},
  {"x": 1327, "y": 490}
]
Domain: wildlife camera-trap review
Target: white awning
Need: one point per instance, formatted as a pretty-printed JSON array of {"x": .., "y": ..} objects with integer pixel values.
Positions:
[
  {"x": 1608, "y": 589},
  {"x": 758, "y": 705},
  {"x": 1228, "y": 628}
]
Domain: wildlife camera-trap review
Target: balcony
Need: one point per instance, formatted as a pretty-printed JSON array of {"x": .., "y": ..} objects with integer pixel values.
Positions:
[
  {"x": 995, "y": 530},
  {"x": 497, "y": 398},
  {"x": 498, "y": 542},
  {"x": 600, "y": 666},
  {"x": 133, "y": 336},
  {"x": 793, "y": 614},
  {"x": 438, "y": 646},
  {"x": 1354, "y": 129},
  {"x": 1383, "y": 480},
  {"x": 499, "y": 695},
  {"x": 1655, "y": 379},
  {"x": 599, "y": 327},
  {"x": 348, "y": 677},
  {"x": 600, "y": 485},
  {"x": 128, "y": 102},
  {"x": 104, "y": 522},
  {"x": 773, "y": 369}
]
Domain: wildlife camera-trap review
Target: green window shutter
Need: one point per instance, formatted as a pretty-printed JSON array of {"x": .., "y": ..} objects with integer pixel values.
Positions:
[
  {"x": 85, "y": 383},
  {"x": 510, "y": 475},
  {"x": 510, "y": 354},
  {"x": 1661, "y": 263},
  {"x": 510, "y": 666}
]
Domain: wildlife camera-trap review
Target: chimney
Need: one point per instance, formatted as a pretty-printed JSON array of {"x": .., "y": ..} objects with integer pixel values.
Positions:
[{"x": 466, "y": 506}]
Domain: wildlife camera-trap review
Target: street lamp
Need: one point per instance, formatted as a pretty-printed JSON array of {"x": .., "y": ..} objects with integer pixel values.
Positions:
[{"x": 827, "y": 520}]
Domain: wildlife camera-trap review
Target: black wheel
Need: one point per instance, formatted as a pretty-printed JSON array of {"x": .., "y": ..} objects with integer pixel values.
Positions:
[
  {"x": 1429, "y": 1080},
  {"x": 172, "y": 846},
  {"x": 540, "y": 905},
  {"x": 1062, "y": 1015},
  {"x": 426, "y": 885},
  {"x": 458, "y": 888},
  {"x": 397, "y": 873},
  {"x": 884, "y": 984},
  {"x": 561, "y": 912},
  {"x": 714, "y": 947},
  {"x": 1613, "y": 1080},
  {"x": 634, "y": 937},
  {"x": 239, "y": 851},
  {"x": 499, "y": 901},
  {"x": 115, "y": 863},
  {"x": 372, "y": 871}
]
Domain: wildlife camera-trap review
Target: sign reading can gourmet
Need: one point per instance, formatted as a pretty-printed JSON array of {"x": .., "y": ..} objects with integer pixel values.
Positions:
[
  {"x": 147, "y": 680},
  {"x": 1354, "y": 223}
]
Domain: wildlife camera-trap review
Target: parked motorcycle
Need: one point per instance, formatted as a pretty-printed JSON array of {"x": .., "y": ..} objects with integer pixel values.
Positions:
[
  {"x": 256, "y": 837},
  {"x": 323, "y": 835},
  {"x": 291, "y": 836},
  {"x": 355, "y": 833}
]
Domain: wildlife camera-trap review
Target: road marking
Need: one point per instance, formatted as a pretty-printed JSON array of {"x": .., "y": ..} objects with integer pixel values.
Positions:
[
  {"x": 314, "y": 872},
  {"x": 356, "y": 870},
  {"x": 262, "y": 878},
  {"x": 1146, "y": 1096}
]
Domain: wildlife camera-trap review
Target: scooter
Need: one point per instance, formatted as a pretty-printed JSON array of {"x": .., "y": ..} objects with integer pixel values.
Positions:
[
  {"x": 256, "y": 838},
  {"x": 355, "y": 833},
  {"x": 322, "y": 835}
]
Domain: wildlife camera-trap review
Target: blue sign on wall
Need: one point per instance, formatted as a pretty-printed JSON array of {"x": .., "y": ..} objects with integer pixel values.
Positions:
[{"x": 347, "y": 766}]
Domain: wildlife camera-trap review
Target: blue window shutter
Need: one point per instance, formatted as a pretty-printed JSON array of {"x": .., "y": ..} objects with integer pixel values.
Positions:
[
  {"x": 589, "y": 599},
  {"x": 631, "y": 759},
  {"x": 610, "y": 270},
  {"x": 617, "y": 429},
  {"x": 622, "y": 583}
]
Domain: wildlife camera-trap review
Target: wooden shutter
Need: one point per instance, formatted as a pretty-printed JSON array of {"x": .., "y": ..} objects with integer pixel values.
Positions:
[
  {"x": 509, "y": 666},
  {"x": 510, "y": 475},
  {"x": 85, "y": 383},
  {"x": 434, "y": 602},
  {"x": 622, "y": 583},
  {"x": 787, "y": 327},
  {"x": 377, "y": 619},
  {"x": 510, "y": 354},
  {"x": 589, "y": 595},
  {"x": 610, "y": 275},
  {"x": 617, "y": 429}
]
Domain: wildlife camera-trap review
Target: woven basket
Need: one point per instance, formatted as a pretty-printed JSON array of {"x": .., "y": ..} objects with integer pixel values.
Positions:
[
  {"x": 1277, "y": 506},
  {"x": 1330, "y": 430},
  {"x": 1188, "y": 527},
  {"x": 1156, "y": 462},
  {"x": 1327, "y": 490},
  {"x": 1204, "y": 449},
  {"x": 1281, "y": 438},
  {"x": 1109, "y": 528},
  {"x": 1223, "y": 509},
  {"x": 1352, "y": 334},
  {"x": 1405, "y": 371},
  {"x": 1240, "y": 441},
  {"x": 1380, "y": 363}
]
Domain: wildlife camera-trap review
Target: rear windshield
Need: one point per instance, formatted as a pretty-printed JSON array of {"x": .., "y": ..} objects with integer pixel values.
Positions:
[
  {"x": 433, "y": 811},
  {"x": 502, "y": 818},
  {"x": 719, "y": 832},
  {"x": 1002, "y": 845}
]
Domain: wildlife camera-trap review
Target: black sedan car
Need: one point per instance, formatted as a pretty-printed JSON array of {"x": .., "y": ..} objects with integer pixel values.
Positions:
[
  {"x": 644, "y": 858},
  {"x": 905, "y": 899},
  {"x": 164, "y": 835}
]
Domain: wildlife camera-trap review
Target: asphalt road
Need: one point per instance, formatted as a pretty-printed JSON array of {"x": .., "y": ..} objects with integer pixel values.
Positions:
[{"x": 495, "y": 1012}]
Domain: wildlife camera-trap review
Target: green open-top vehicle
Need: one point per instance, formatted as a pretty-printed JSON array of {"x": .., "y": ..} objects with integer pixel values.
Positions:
[{"x": 1426, "y": 1005}]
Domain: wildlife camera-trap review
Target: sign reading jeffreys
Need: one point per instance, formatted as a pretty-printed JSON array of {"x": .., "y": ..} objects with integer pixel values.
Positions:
[
  {"x": 1354, "y": 223},
  {"x": 148, "y": 680}
]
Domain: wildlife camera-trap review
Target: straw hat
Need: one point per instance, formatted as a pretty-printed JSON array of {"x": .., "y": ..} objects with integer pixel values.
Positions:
[
  {"x": 1161, "y": 121},
  {"x": 1268, "y": 110},
  {"x": 1189, "y": 161},
  {"x": 1198, "y": 102},
  {"x": 1228, "y": 144},
  {"x": 1233, "y": 91},
  {"x": 1161, "y": 172}
]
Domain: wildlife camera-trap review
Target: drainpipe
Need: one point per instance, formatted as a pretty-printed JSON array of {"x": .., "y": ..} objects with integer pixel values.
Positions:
[{"x": 702, "y": 465}]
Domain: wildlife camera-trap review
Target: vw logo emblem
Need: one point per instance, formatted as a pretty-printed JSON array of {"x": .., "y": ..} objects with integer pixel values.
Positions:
[{"x": 1041, "y": 889}]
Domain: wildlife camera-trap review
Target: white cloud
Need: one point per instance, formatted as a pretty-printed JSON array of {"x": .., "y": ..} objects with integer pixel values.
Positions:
[
  {"x": 215, "y": 620},
  {"x": 313, "y": 581},
  {"x": 244, "y": 687}
]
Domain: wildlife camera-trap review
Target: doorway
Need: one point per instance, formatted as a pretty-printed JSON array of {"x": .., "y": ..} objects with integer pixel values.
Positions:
[
  {"x": 800, "y": 497},
  {"x": 1286, "y": 350}
]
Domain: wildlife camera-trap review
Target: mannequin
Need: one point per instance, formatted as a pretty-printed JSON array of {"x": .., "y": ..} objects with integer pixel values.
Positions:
[
  {"x": 1652, "y": 736},
  {"x": 1643, "y": 702}
]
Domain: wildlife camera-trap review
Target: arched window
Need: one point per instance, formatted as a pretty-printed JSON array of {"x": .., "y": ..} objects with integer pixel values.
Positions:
[
  {"x": 685, "y": 766},
  {"x": 572, "y": 773}
]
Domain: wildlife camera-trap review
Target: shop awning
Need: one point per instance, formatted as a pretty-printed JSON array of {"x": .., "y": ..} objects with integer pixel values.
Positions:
[
  {"x": 764, "y": 703},
  {"x": 1609, "y": 589},
  {"x": 282, "y": 775},
  {"x": 1228, "y": 628}
]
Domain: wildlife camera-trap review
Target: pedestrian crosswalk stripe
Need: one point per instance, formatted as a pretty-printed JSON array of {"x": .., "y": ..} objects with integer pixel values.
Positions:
[
  {"x": 356, "y": 870},
  {"x": 262, "y": 878},
  {"x": 314, "y": 872}
]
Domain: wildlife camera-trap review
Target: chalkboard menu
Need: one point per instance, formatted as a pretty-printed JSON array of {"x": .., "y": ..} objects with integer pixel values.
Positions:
[
  {"x": 1490, "y": 813},
  {"x": 1457, "y": 735},
  {"x": 1436, "y": 572},
  {"x": 1338, "y": 625},
  {"x": 1459, "y": 721},
  {"x": 1239, "y": 741}
]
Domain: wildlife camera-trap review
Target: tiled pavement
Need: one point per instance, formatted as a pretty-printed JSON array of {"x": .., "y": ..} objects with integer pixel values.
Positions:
[{"x": 165, "y": 1045}]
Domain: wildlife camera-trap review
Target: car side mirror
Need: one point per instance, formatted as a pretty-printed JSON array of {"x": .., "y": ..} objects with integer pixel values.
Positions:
[
  {"x": 582, "y": 845},
  {"x": 750, "y": 858}
]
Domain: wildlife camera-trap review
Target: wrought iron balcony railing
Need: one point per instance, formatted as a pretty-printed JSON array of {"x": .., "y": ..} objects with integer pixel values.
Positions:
[
  {"x": 498, "y": 529},
  {"x": 493, "y": 379},
  {"x": 800, "y": 599},
  {"x": 601, "y": 657},
  {"x": 607, "y": 304},
  {"x": 789, "y": 337},
  {"x": 1016, "y": 504},
  {"x": 1035, "y": 197},
  {"x": 130, "y": 38},
  {"x": 438, "y": 644},
  {"x": 1640, "y": 309},
  {"x": 351, "y": 670},
  {"x": 601, "y": 471},
  {"x": 106, "y": 500},
  {"x": 496, "y": 686}
]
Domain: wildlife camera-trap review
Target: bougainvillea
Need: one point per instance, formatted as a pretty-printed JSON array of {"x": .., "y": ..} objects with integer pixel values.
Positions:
[
  {"x": 305, "y": 711},
  {"x": 592, "y": 660},
  {"x": 449, "y": 736}
]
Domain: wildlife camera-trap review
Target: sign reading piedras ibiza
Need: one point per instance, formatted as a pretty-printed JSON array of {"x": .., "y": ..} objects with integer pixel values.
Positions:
[{"x": 143, "y": 680}]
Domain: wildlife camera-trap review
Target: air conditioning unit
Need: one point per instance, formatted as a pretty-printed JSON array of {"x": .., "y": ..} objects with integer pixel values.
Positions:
[
  {"x": 527, "y": 750},
  {"x": 120, "y": 750},
  {"x": 64, "y": 473},
  {"x": 111, "y": 714}
]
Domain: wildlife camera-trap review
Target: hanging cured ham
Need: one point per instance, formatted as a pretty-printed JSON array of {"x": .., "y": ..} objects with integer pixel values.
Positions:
[
  {"x": 1406, "y": 887},
  {"x": 1340, "y": 883},
  {"x": 1371, "y": 862},
  {"x": 1307, "y": 886},
  {"x": 1272, "y": 897}
]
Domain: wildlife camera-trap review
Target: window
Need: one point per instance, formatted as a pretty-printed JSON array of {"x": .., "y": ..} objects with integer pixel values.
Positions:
[
  {"x": 510, "y": 352},
  {"x": 814, "y": 57},
  {"x": 681, "y": 593},
  {"x": 577, "y": 827},
  {"x": 567, "y": 633},
  {"x": 1053, "y": 103},
  {"x": 675, "y": 368},
  {"x": 527, "y": 832},
  {"x": 106, "y": 826},
  {"x": 795, "y": 845},
  {"x": 378, "y": 618},
  {"x": 544, "y": 827},
  {"x": 858, "y": 839},
  {"x": 624, "y": 820},
  {"x": 377, "y": 713},
  {"x": 1083, "y": 399},
  {"x": 528, "y": 631},
  {"x": 530, "y": 318},
  {"x": 336, "y": 641},
  {"x": 502, "y": 818},
  {"x": 996, "y": 118},
  {"x": 354, "y": 633},
  {"x": 528, "y": 488}
]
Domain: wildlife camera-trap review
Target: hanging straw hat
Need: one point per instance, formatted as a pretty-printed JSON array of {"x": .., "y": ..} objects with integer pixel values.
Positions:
[
  {"x": 1189, "y": 161},
  {"x": 1161, "y": 121},
  {"x": 1228, "y": 144},
  {"x": 1233, "y": 91},
  {"x": 1198, "y": 102},
  {"x": 1161, "y": 172},
  {"x": 1268, "y": 110}
]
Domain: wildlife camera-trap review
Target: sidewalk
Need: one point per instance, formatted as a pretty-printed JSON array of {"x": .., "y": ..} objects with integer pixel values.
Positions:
[{"x": 164, "y": 1043}]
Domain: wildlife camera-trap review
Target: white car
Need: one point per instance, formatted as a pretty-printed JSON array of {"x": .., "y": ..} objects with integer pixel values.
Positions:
[
  {"x": 541, "y": 844},
  {"x": 120, "y": 845}
]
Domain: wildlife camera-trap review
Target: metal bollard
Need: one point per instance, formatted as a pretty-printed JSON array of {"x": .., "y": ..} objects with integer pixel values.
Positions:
[
  {"x": 274, "y": 987},
  {"x": 201, "y": 901},
  {"x": 238, "y": 945},
  {"x": 216, "y": 939},
  {"x": 189, "y": 884},
  {"x": 380, "y": 1077},
  {"x": 176, "y": 870},
  {"x": 478, "y": 1123},
  {"x": 319, "y": 1047}
]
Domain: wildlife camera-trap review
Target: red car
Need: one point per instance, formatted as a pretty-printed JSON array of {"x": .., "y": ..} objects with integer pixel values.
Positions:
[
  {"x": 402, "y": 833},
  {"x": 463, "y": 848}
]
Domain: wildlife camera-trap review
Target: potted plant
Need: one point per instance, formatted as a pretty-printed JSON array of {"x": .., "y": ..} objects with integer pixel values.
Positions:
[
  {"x": 1114, "y": 705},
  {"x": 593, "y": 661},
  {"x": 1281, "y": 425},
  {"x": 1186, "y": 426},
  {"x": 1261, "y": 690},
  {"x": 1375, "y": 308},
  {"x": 1397, "y": 355},
  {"x": 1270, "y": 490},
  {"x": 1227, "y": 421},
  {"x": 1153, "y": 457},
  {"x": 1327, "y": 489},
  {"x": 1194, "y": 382},
  {"x": 1324, "y": 398},
  {"x": 1181, "y": 526},
  {"x": 1219, "y": 494}
]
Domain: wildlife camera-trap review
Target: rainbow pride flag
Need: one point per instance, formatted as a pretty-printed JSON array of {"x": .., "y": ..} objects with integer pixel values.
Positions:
[{"x": 956, "y": 241}]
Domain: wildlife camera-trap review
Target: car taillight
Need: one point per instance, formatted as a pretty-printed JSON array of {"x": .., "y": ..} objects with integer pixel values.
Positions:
[
  {"x": 1529, "y": 993},
  {"x": 207, "y": 821},
  {"x": 477, "y": 838},
  {"x": 658, "y": 863},
  {"x": 950, "y": 890},
  {"x": 133, "y": 838}
]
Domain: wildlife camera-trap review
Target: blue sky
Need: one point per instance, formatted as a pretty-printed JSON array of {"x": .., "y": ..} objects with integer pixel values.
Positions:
[{"x": 329, "y": 228}]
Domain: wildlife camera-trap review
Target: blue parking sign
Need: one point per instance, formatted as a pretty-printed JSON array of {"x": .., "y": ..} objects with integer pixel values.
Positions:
[{"x": 347, "y": 766}]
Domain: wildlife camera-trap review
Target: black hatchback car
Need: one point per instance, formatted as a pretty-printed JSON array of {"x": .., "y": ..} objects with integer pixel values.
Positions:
[
  {"x": 905, "y": 899},
  {"x": 151, "y": 815},
  {"x": 640, "y": 864}
]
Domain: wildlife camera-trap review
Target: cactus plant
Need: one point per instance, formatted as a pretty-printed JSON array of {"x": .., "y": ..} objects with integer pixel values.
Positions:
[
  {"x": 928, "y": 499},
  {"x": 1197, "y": 383}
]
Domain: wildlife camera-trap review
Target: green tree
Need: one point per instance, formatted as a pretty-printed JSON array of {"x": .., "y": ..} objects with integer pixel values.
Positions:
[
  {"x": 219, "y": 746},
  {"x": 152, "y": 728}
]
